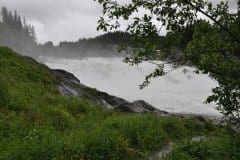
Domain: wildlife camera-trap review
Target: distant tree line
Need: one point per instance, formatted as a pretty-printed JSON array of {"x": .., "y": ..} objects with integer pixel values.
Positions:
[
  {"x": 20, "y": 36},
  {"x": 16, "y": 33},
  {"x": 103, "y": 45}
]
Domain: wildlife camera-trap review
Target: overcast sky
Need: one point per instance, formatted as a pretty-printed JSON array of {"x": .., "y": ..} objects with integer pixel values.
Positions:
[{"x": 59, "y": 20}]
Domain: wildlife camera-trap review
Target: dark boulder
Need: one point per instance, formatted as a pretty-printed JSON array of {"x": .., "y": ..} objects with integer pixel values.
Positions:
[
  {"x": 69, "y": 85},
  {"x": 139, "y": 106},
  {"x": 66, "y": 76},
  {"x": 67, "y": 91}
]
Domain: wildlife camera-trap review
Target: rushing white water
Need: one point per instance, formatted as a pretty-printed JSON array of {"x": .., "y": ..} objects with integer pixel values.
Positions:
[{"x": 181, "y": 91}]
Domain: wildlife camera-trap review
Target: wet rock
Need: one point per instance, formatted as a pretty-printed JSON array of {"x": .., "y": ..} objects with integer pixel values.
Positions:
[
  {"x": 67, "y": 91},
  {"x": 139, "y": 106},
  {"x": 136, "y": 107},
  {"x": 66, "y": 76},
  {"x": 69, "y": 85}
]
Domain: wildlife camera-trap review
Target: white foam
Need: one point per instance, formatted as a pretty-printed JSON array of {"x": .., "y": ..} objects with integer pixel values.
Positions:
[{"x": 176, "y": 92}]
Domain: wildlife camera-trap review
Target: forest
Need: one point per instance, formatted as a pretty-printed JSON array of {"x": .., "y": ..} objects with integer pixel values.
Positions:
[
  {"x": 20, "y": 36},
  {"x": 16, "y": 33}
]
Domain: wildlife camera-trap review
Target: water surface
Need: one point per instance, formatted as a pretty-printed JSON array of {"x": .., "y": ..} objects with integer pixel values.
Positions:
[{"x": 181, "y": 91}]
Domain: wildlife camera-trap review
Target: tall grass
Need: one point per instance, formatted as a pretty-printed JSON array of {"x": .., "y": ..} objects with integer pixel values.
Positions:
[{"x": 37, "y": 123}]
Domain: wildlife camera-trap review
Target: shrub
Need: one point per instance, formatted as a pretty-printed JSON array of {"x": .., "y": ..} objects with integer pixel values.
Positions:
[{"x": 175, "y": 129}]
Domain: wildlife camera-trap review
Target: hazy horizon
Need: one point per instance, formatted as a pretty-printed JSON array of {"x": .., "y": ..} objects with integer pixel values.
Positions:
[{"x": 57, "y": 20}]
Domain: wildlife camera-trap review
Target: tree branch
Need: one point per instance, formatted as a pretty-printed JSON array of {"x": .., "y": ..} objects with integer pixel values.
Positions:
[{"x": 215, "y": 21}]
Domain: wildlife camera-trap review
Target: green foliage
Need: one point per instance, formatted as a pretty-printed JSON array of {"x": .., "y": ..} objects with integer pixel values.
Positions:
[
  {"x": 212, "y": 45},
  {"x": 3, "y": 94},
  {"x": 224, "y": 148},
  {"x": 38, "y": 123}
]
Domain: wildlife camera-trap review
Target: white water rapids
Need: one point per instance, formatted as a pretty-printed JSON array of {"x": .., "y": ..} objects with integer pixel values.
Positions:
[{"x": 181, "y": 91}]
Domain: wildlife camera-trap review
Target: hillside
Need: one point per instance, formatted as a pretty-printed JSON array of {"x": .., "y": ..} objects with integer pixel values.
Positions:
[
  {"x": 101, "y": 46},
  {"x": 38, "y": 122}
]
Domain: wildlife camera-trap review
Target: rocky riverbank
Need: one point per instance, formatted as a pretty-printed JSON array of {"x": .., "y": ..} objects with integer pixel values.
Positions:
[{"x": 69, "y": 85}]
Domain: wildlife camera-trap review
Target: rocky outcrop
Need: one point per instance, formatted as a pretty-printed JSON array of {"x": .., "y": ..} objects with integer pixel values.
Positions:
[
  {"x": 136, "y": 106},
  {"x": 66, "y": 76},
  {"x": 69, "y": 85},
  {"x": 139, "y": 107},
  {"x": 65, "y": 90}
]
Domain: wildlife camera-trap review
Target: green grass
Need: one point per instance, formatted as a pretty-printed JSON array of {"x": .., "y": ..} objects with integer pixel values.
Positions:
[
  {"x": 37, "y": 123},
  {"x": 223, "y": 146}
]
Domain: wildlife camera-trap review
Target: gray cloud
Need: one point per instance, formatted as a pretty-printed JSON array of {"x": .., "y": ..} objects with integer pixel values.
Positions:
[{"x": 58, "y": 20}]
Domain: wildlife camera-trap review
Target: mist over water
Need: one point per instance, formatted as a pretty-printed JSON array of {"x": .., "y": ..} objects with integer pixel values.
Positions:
[{"x": 181, "y": 91}]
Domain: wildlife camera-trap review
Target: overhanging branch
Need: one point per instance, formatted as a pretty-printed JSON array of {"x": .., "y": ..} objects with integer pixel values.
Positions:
[{"x": 215, "y": 21}]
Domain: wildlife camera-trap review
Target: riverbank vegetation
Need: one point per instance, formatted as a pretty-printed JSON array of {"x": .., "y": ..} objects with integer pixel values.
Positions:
[{"x": 36, "y": 122}]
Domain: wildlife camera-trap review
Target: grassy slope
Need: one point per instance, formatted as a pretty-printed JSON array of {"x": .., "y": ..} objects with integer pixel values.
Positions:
[{"x": 36, "y": 122}]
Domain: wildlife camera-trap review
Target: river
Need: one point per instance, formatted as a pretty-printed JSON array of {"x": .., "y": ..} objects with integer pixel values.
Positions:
[{"x": 180, "y": 91}]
